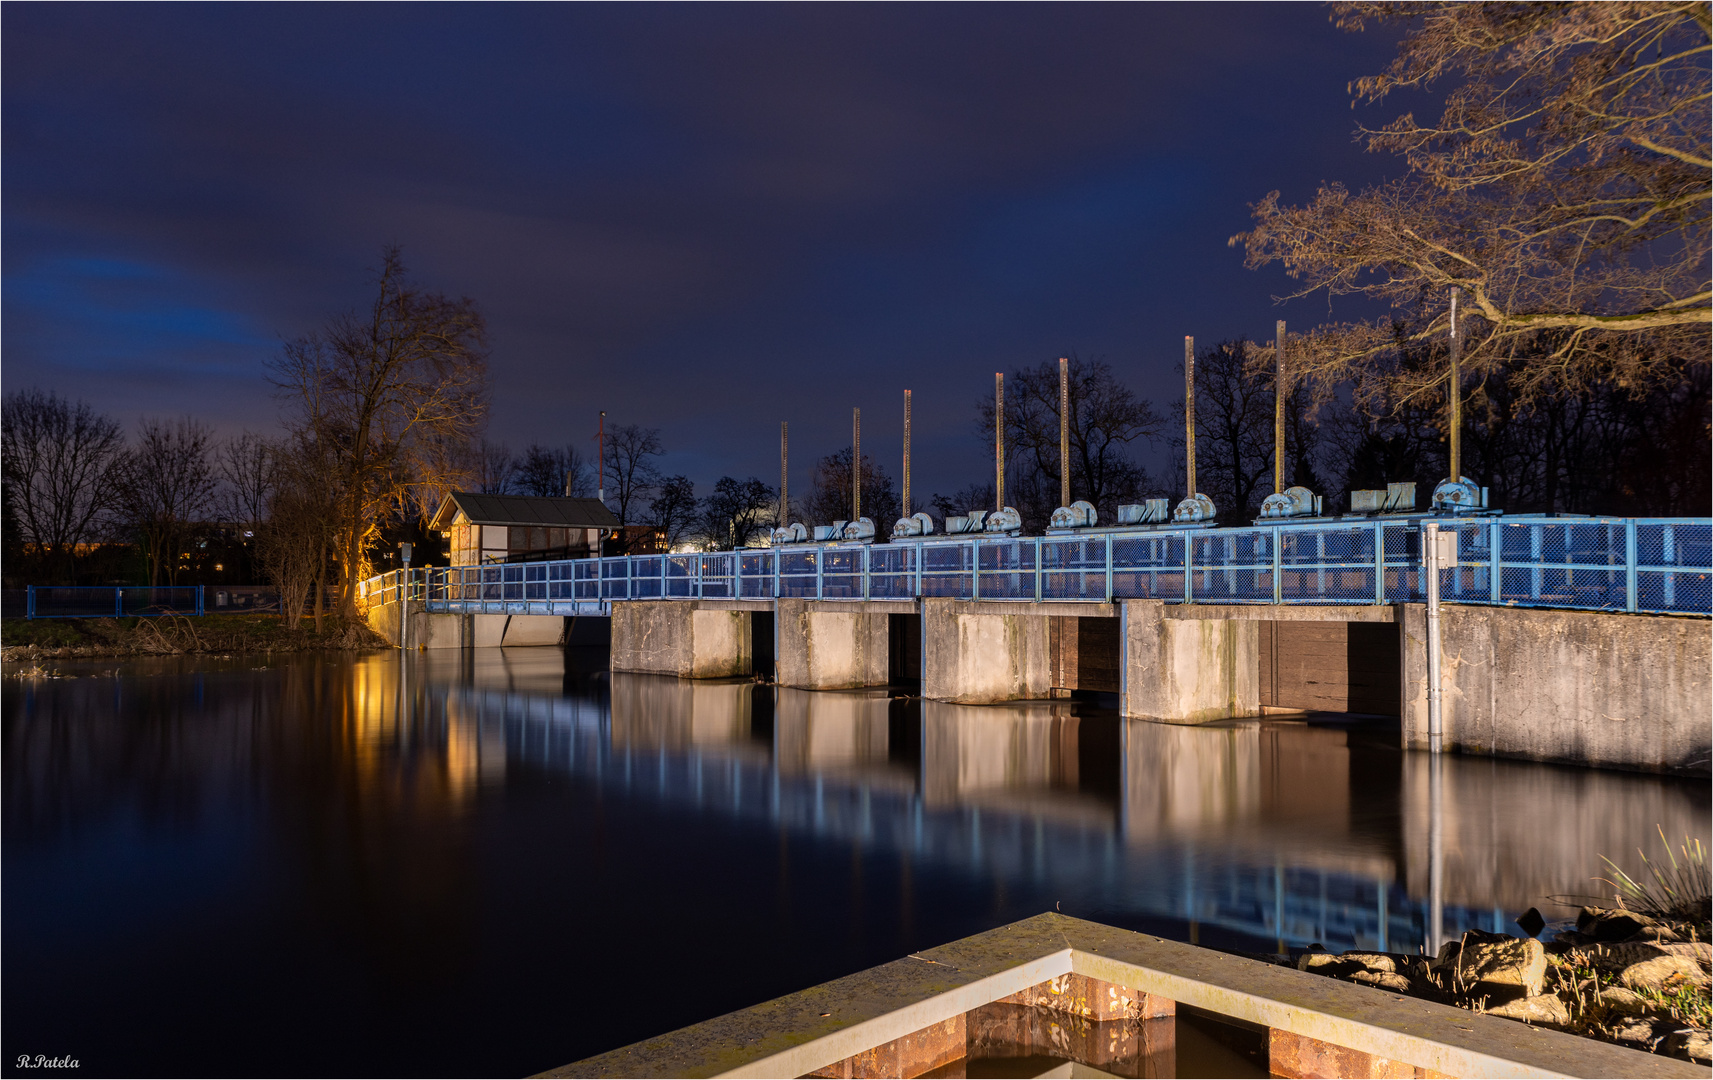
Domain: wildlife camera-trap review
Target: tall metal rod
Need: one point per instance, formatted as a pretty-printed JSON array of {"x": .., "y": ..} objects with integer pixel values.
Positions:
[
  {"x": 784, "y": 500},
  {"x": 601, "y": 460},
  {"x": 1190, "y": 412},
  {"x": 1430, "y": 569},
  {"x": 906, "y": 454},
  {"x": 1279, "y": 392},
  {"x": 856, "y": 464},
  {"x": 1456, "y": 393},
  {"x": 999, "y": 439},
  {"x": 1064, "y": 432}
]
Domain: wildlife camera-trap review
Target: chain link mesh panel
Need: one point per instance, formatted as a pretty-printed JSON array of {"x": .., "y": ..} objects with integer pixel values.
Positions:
[
  {"x": 841, "y": 573},
  {"x": 1148, "y": 567},
  {"x": 946, "y": 570},
  {"x": 1073, "y": 568},
  {"x": 892, "y": 571},
  {"x": 1007, "y": 570}
]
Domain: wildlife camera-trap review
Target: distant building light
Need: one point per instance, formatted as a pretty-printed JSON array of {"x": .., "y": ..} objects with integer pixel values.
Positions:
[{"x": 219, "y": 566}]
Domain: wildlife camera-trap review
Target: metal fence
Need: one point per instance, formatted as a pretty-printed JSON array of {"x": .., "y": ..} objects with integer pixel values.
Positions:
[
  {"x": 1656, "y": 565},
  {"x": 111, "y": 602}
]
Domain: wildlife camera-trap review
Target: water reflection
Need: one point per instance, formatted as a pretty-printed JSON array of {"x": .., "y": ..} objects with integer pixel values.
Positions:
[
  {"x": 1276, "y": 831},
  {"x": 441, "y": 832}
]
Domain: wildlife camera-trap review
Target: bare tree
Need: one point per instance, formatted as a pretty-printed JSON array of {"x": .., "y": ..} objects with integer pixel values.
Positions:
[
  {"x": 57, "y": 459},
  {"x": 630, "y": 468},
  {"x": 673, "y": 509},
  {"x": 296, "y": 543},
  {"x": 1106, "y": 419},
  {"x": 168, "y": 488},
  {"x": 551, "y": 470},
  {"x": 1565, "y": 189},
  {"x": 829, "y": 497},
  {"x": 247, "y": 467},
  {"x": 390, "y": 391},
  {"x": 495, "y": 468},
  {"x": 737, "y": 512}
]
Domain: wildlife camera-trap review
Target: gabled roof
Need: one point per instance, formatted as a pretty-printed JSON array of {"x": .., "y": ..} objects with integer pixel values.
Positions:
[{"x": 557, "y": 512}]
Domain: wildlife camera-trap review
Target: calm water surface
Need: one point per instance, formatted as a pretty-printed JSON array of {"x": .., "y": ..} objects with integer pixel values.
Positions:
[{"x": 497, "y": 862}]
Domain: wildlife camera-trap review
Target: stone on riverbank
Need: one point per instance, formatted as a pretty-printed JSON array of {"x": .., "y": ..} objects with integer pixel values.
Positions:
[{"x": 1544, "y": 1009}]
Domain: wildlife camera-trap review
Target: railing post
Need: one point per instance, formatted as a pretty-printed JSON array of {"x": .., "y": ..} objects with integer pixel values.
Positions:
[
  {"x": 916, "y": 554},
  {"x": 1038, "y": 568},
  {"x": 1629, "y": 564},
  {"x": 1278, "y": 566},
  {"x": 119, "y": 601},
  {"x": 776, "y": 560},
  {"x": 1189, "y": 568},
  {"x": 200, "y": 589},
  {"x": 30, "y": 603},
  {"x": 820, "y": 568},
  {"x": 1109, "y": 568},
  {"x": 975, "y": 569},
  {"x": 1379, "y": 562},
  {"x": 1496, "y": 565},
  {"x": 865, "y": 570}
]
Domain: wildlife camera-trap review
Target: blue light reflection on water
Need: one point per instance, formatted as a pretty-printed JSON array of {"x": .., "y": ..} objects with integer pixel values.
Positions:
[{"x": 498, "y": 861}]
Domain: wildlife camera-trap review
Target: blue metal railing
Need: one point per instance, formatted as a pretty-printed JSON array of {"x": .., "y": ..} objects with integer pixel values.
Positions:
[
  {"x": 1654, "y": 565},
  {"x": 111, "y": 602}
]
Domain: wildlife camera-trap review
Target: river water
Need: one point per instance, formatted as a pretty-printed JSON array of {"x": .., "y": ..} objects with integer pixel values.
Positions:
[{"x": 495, "y": 862}]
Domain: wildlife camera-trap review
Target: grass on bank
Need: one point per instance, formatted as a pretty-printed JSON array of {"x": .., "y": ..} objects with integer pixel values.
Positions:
[{"x": 170, "y": 634}]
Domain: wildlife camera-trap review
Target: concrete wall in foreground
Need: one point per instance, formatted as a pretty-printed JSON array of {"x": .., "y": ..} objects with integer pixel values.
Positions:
[{"x": 1581, "y": 687}]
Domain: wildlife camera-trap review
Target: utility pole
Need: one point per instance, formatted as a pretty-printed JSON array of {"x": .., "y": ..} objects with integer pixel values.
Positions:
[
  {"x": 999, "y": 439},
  {"x": 1064, "y": 433}
]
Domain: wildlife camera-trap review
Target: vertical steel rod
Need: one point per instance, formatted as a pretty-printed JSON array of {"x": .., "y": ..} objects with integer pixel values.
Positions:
[
  {"x": 1430, "y": 567},
  {"x": 999, "y": 440},
  {"x": 1279, "y": 392},
  {"x": 856, "y": 464},
  {"x": 1190, "y": 413},
  {"x": 1455, "y": 392},
  {"x": 906, "y": 512},
  {"x": 1064, "y": 432},
  {"x": 784, "y": 500}
]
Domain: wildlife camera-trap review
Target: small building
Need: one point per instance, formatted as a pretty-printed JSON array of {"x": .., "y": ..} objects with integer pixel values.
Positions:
[{"x": 521, "y": 528}]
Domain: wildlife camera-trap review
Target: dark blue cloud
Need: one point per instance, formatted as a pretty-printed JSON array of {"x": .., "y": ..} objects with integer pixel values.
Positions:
[{"x": 703, "y": 218}]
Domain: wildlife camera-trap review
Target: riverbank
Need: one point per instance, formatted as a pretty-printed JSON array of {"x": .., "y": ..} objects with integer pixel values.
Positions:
[
  {"x": 26, "y": 640},
  {"x": 1619, "y": 976}
]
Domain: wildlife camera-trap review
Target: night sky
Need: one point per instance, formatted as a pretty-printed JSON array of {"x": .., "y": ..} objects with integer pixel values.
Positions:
[{"x": 705, "y": 219}]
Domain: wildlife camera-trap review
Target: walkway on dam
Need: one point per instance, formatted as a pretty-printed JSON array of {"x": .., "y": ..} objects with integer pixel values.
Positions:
[{"x": 1653, "y": 565}]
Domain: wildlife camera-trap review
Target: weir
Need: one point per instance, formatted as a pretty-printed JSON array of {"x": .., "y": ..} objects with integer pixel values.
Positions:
[{"x": 1188, "y": 626}]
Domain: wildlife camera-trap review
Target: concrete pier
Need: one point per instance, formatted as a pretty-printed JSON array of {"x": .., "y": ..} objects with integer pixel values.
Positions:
[
  {"x": 431, "y": 631},
  {"x": 692, "y": 639},
  {"x": 1579, "y": 687},
  {"x": 830, "y": 645},
  {"x": 1582, "y": 687}
]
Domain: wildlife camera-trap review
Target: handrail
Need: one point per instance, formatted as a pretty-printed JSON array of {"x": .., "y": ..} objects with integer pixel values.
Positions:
[{"x": 1641, "y": 565}]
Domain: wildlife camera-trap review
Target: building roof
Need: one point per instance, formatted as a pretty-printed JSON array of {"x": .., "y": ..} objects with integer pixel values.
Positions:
[{"x": 556, "y": 511}]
